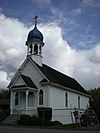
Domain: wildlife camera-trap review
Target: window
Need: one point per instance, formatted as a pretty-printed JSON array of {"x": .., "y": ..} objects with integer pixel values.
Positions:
[
  {"x": 66, "y": 99},
  {"x": 35, "y": 49},
  {"x": 40, "y": 49},
  {"x": 16, "y": 99},
  {"x": 79, "y": 102},
  {"x": 41, "y": 97},
  {"x": 31, "y": 48}
]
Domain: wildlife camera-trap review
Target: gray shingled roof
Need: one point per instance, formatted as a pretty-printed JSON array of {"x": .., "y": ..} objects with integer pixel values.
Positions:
[
  {"x": 28, "y": 81},
  {"x": 59, "y": 78}
]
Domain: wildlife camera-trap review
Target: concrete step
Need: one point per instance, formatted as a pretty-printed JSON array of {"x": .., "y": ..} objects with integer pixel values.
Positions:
[{"x": 11, "y": 119}]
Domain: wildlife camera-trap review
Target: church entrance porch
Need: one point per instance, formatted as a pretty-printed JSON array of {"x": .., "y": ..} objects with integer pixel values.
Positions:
[{"x": 23, "y": 102}]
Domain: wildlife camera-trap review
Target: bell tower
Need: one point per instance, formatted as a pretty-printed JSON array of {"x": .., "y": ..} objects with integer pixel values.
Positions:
[{"x": 35, "y": 43}]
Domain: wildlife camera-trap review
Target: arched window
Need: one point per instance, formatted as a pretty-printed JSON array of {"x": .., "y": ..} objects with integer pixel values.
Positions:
[
  {"x": 16, "y": 99},
  {"x": 31, "y": 49},
  {"x": 66, "y": 99},
  {"x": 35, "y": 49},
  {"x": 40, "y": 49},
  {"x": 41, "y": 97},
  {"x": 79, "y": 102}
]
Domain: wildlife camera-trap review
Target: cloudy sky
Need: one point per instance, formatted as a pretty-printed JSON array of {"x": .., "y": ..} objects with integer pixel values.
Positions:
[{"x": 71, "y": 30}]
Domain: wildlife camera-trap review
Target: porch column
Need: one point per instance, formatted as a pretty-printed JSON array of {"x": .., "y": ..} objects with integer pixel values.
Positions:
[
  {"x": 11, "y": 102},
  {"x": 26, "y": 105}
]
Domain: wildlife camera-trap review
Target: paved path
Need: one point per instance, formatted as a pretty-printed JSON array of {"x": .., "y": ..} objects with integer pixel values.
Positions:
[{"x": 15, "y": 129}]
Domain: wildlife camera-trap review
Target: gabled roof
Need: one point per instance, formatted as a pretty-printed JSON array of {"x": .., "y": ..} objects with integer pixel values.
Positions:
[
  {"x": 28, "y": 81},
  {"x": 59, "y": 78},
  {"x": 43, "y": 81}
]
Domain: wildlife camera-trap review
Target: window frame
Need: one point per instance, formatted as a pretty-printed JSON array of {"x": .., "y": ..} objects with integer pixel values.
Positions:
[
  {"x": 16, "y": 99},
  {"x": 35, "y": 49},
  {"x": 41, "y": 97},
  {"x": 79, "y": 102},
  {"x": 66, "y": 99}
]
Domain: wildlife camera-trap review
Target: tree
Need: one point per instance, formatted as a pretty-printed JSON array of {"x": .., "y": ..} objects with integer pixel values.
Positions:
[
  {"x": 4, "y": 94},
  {"x": 95, "y": 100}
]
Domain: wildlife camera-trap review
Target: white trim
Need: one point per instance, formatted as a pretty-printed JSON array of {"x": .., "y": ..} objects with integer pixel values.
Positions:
[
  {"x": 38, "y": 69},
  {"x": 65, "y": 88},
  {"x": 17, "y": 73},
  {"x": 23, "y": 89}
]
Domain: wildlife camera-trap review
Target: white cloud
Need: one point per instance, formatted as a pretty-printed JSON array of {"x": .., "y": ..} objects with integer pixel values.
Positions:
[
  {"x": 43, "y": 3},
  {"x": 84, "y": 66},
  {"x": 12, "y": 37},
  {"x": 12, "y": 50},
  {"x": 94, "y": 54},
  {"x": 58, "y": 13},
  {"x": 76, "y": 11},
  {"x": 3, "y": 80},
  {"x": 78, "y": 64},
  {"x": 88, "y": 2},
  {"x": 92, "y": 3}
]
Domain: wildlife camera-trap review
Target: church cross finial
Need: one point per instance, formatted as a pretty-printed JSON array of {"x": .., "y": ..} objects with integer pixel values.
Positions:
[{"x": 35, "y": 20}]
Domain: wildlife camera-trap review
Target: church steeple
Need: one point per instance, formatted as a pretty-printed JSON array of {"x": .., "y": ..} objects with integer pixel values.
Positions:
[{"x": 35, "y": 43}]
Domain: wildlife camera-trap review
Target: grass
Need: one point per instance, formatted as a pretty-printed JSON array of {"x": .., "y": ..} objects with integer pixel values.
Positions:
[
  {"x": 65, "y": 126},
  {"x": 74, "y": 127}
]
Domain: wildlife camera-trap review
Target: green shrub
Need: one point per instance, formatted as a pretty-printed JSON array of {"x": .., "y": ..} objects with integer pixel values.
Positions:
[
  {"x": 24, "y": 120},
  {"x": 33, "y": 121},
  {"x": 24, "y": 117},
  {"x": 36, "y": 121},
  {"x": 27, "y": 120},
  {"x": 54, "y": 123},
  {"x": 4, "y": 114}
]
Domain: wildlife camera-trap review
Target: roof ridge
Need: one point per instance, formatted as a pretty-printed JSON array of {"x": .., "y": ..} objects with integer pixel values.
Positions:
[
  {"x": 58, "y": 71},
  {"x": 60, "y": 78},
  {"x": 28, "y": 81},
  {"x": 54, "y": 76}
]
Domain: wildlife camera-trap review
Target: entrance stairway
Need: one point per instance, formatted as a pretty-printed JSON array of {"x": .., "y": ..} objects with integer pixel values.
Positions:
[{"x": 11, "y": 119}]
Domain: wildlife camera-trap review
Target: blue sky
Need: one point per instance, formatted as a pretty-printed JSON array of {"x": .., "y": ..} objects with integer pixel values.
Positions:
[
  {"x": 71, "y": 23},
  {"x": 79, "y": 19}
]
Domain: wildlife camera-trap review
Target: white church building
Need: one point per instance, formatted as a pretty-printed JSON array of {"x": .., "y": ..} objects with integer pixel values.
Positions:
[{"x": 36, "y": 85}]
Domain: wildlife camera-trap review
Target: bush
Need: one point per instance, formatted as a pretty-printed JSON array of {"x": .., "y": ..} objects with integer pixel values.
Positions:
[
  {"x": 36, "y": 121},
  {"x": 27, "y": 120},
  {"x": 24, "y": 117},
  {"x": 54, "y": 123},
  {"x": 33, "y": 121},
  {"x": 4, "y": 114}
]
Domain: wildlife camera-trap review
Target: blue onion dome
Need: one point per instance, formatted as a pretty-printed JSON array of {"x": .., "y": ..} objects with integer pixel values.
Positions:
[{"x": 35, "y": 34}]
